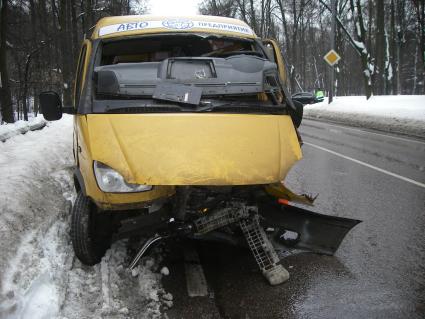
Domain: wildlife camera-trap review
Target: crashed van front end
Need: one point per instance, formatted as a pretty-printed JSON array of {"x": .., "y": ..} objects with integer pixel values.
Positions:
[
  {"x": 191, "y": 149},
  {"x": 184, "y": 128}
]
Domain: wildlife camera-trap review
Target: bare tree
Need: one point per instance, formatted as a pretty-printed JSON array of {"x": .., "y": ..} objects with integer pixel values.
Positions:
[
  {"x": 5, "y": 97},
  {"x": 33, "y": 66},
  {"x": 225, "y": 8},
  {"x": 380, "y": 48},
  {"x": 366, "y": 59},
  {"x": 419, "y": 6},
  {"x": 365, "y": 37}
]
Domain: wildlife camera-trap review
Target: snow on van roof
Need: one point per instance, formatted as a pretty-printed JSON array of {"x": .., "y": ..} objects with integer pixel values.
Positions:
[{"x": 142, "y": 24}]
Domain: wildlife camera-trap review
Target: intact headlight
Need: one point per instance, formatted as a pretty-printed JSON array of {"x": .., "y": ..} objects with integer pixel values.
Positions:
[{"x": 111, "y": 181}]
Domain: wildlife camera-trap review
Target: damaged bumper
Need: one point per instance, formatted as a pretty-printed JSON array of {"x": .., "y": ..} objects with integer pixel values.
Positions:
[{"x": 313, "y": 231}]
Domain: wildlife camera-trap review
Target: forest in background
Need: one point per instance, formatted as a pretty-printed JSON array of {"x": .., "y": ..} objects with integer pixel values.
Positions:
[
  {"x": 381, "y": 43},
  {"x": 40, "y": 42}
]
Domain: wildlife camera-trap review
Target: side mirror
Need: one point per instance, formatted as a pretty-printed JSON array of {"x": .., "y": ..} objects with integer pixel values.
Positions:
[
  {"x": 297, "y": 114},
  {"x": 51, "y": 105},
  {"x": 304, "y": 98}
]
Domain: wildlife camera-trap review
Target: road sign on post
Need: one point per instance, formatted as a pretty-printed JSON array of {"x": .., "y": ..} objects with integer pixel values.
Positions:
[{"x": 332, "y": 57}]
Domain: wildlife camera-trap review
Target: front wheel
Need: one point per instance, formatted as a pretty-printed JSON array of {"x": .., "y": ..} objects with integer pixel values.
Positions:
[{"x": 90, "y": 234}]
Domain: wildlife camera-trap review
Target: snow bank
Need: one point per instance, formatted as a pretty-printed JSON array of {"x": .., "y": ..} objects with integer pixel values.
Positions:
[
  {"x": 26, "y": 185},
  {"x": 403, "y": 114},
  {"x": 39, "y": 275},
  {"x": 31, "y": 280},
  {"x": 21, "y": 127},
  {"x": 30, "y": 204}
]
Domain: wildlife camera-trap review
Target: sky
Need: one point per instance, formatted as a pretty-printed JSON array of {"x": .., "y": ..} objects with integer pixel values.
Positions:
[{"x": 174, "y": 7}]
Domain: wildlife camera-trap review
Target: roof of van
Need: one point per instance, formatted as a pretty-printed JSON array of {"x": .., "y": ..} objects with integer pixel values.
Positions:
[{"x": 118, "y": 26}]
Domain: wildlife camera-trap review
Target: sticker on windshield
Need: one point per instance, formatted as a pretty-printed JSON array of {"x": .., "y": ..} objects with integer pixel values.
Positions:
[
  {"x": 178, "y": 24},
  {"x": 123, "y": 27},
  {"x": 174, "y": 24}
]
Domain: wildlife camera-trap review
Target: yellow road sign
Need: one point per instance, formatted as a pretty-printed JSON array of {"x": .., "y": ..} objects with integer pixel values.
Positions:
[{"x": 332, "y": 57}]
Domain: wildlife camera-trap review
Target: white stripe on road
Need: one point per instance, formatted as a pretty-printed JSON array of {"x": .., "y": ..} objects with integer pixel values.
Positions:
[
  {"x": 196, "y": 282},
  {"x": 367, "y": 132},
  {"x": 368, "y": 165}
]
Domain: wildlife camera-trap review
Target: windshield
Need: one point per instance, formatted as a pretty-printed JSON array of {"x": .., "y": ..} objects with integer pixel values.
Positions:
[
  {"x": 158, "y": 48},
  {"x": 191, "y": 72}
]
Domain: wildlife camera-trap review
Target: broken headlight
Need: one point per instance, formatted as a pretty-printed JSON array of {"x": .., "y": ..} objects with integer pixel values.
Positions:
[{"x": 111, "y": 181}]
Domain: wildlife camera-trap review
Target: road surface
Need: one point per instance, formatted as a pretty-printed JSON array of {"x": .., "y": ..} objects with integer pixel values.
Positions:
[{"x": 378, "y": 271}]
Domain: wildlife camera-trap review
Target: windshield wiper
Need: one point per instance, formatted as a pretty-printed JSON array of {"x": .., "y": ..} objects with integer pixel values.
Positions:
[
  {"x": 121, "y": 96},
  {"x": 262, "y": 109},
  {"x": 145, "y": 109},
  {"x": 204, "y": 108}
]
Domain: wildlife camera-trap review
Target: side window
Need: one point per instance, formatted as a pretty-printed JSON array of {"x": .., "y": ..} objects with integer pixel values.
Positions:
[
  {"x": 270, "y": 52},
  {"x": 79, "y": 76},
  {"x": 275, "y": 55}
]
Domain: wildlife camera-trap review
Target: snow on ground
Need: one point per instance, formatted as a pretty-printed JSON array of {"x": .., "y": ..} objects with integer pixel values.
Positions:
[
  {"x": 399, "y": 114},
  {"x": 39, "y": 275},
  {"x": 21, "y": 127}
]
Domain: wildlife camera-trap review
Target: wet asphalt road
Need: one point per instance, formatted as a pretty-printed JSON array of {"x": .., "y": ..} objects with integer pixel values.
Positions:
[{"x": 379, "y": 269}]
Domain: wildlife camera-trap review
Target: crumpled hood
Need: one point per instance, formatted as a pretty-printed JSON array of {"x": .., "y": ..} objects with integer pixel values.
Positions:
[{"x": 194, "y": 148}]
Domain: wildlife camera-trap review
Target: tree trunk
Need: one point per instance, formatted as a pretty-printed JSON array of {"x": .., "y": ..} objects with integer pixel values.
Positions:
[
  {"x": 294, "y": 46},
  {"x": 380, "y": 48},
  {"x": 364, "y": 54},
  {"x": 25, "y": 92},
  {"x": 5, "y": 97},
  {"x": 75, "y": 39},
  {"x": 89, "y": 17},
  {"x": 66, "y": 59},
  {"x": 420, "y": 16},
  {"x": 393, "y": 48},
  {"x": 35, "y": 101}
]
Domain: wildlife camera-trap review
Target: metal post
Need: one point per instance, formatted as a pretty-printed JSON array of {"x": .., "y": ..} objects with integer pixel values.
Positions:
[{"x": 332, "y": 73}]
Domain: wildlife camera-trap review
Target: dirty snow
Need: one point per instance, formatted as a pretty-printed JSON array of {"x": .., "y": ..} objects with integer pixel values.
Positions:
[
  {"x": 165, "y": 271},
  {"x": 20, "y": 127},
  {"x": 399, "y": 114},
  {"x": 39, "y": 274}
]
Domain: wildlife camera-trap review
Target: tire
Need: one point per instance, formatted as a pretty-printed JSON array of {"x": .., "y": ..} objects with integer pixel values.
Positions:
[{"x": 90, "y": 234}]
